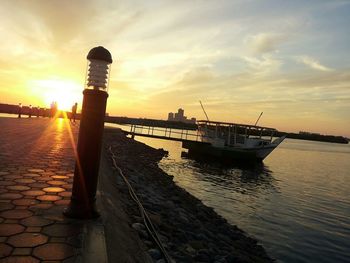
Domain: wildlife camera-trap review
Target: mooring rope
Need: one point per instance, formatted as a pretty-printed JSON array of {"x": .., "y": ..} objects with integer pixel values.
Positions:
[{"x": 147, "y": 221}]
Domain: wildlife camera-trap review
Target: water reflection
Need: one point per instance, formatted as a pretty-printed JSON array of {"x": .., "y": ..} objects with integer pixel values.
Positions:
[
  {"x": 296, "y": 203},
  {"x": 250, "y": 179}
]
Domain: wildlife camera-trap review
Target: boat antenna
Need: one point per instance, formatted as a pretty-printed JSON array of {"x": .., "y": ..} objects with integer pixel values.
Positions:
[
  {"x": 258, "y": 118},
  {"x": 204, "y": 110}
]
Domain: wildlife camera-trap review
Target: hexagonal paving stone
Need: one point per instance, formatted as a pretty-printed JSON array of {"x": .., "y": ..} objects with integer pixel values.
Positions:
[
  {"x": 60, "y": 177},
  {"x": 62, "y": 202},
  {"x": 43, "y": 179},
  {"x": 47, "y": 173},
  {"x": 38, "y": 184},
  {"x": 3, "y": 190},
  {"x": 36, "y": 221},
  {"x": 20, "y": 259},
  {"x": 65, "y": 194},
  {"x": 5, "y": 250},
  {"x": 38, "y": 207},
  {"x": 53, "y": 189},
  {"x": 12, "y": 177},
  {"x": 56, "y": 182},
  {"x": 33, "y": 229},
  {"x": 62, "y": 172},
  {"x": 27, "y": 240},
  {"x": 33, "y": 192},
  {"x": 4, "y": 183},
  {"x": 49, "y": 198},
  {"x": 36, "y": 170},
  {"x": 22, "y": 251},
  {"x": 31, "y": 175},
  {"x": 4, "y": 173},
  {"x": 54, "y": 251},
  {"x": 5, "y": 206},
  {"x": 25, "y": 180},
  {"x": 16, "y": 214},
  {"x": 25, "y": 202},
  {"x": 67, "y": 186},
  {"x": 17, "y": 187},
  {"x": 10, "y": 196},
  {"x": 62, "y": 230},
  {"x": 10, "y": 229}
]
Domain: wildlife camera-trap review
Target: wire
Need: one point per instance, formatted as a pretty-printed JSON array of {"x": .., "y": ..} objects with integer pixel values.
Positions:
[{"x": 147, "y": 221}]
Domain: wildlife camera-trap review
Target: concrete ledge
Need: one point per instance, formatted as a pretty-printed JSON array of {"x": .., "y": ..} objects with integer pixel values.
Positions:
[
  {"x": 122, "y": 241},
  {"x": 94, "y": 243}
]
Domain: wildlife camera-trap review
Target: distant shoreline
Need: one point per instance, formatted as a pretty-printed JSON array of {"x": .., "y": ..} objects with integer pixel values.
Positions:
[{"x": 13, "y": 109}]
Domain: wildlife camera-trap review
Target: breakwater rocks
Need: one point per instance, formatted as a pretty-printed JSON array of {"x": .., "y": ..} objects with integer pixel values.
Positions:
[{"x": 189, "y": 230}]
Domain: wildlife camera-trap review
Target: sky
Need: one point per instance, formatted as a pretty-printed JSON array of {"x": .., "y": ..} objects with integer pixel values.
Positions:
[{"x": 288, "y": 59}]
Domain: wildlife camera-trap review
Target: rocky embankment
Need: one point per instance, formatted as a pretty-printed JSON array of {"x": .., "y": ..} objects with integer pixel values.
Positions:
[{"x": 189, "y": 230}]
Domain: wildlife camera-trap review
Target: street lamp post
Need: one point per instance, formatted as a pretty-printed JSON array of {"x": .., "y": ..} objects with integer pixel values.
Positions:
[{"x": 83, "y": 200}]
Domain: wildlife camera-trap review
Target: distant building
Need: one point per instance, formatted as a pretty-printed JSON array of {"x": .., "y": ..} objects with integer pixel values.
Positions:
[
  {"x": 180, "y": 117},
  {"x": 170, "y": 116}
]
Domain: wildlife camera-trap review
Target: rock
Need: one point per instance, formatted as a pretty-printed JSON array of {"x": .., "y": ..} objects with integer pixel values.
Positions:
[
  {"x": 143, "y": 234},
  {"x": 138, "y": 226},
  {"x": 163, "y": 238},
  {"x": 203, "y": 251},
  {"x": 196, "y": 244},
  {"x": 155, "y": 218},
  {"x": 155, "y": 253},
  {"x": 224, "y": 238},
  {"x": 138, "y": 219},
  {"x": 202, "y": 258},
  {"x": 149, "y": 243},
  {"x": 162, "y": 260},
  {"x": 183, "y": 219},
  {"x": 219, "y": 258},
  {"x": 169, "y": 204},
  {"x": 201, "y": 236},
  {"x": 190, "y": 249}
]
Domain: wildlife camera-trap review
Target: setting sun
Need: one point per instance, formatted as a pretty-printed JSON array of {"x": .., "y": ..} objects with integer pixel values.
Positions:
[{"x": 64, "y": 92}]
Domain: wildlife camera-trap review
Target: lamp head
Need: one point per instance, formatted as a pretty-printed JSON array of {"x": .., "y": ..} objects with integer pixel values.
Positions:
[{"x": 98, "y": 71}]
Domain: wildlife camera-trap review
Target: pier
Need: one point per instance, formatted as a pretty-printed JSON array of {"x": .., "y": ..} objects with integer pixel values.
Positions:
[{"x": 172, "y": 134}]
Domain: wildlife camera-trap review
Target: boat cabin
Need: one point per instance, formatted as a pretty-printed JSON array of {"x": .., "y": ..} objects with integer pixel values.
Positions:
[{"x": 225, "y": 134}]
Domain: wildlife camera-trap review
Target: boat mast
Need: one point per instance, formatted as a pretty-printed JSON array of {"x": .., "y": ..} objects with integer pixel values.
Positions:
[
  {"x": 204, "y": 111},
  {"x": 258, "y": 118}
]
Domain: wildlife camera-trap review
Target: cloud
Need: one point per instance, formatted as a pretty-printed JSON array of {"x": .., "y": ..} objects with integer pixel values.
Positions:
[
  {"x": 264, "y": 65},
  {"x": 265, "y": 42},
  {"x": 313, "y": 63}
]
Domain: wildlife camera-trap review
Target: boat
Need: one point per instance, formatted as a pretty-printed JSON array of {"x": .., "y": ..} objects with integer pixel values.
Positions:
[{"x": 233, "y": 141}]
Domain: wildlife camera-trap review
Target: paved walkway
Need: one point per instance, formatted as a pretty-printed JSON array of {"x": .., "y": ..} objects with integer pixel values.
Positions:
[{"x": 36, "y": 175}]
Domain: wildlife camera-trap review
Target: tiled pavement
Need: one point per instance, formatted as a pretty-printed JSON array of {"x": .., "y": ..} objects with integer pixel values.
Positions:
[{"x": 36, "y": 174}]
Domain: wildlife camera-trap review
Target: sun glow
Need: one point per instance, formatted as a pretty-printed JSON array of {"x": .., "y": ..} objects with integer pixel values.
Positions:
[{"x": 64, "y": 92}]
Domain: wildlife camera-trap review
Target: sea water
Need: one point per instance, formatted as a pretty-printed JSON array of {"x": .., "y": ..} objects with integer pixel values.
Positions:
[{"x": 297, "y": 203}]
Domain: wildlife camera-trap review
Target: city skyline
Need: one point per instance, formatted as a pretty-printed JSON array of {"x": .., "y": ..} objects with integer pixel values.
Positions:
[
  {"x": 289, "y": 60},
  {"x": 179, "y": 116}
]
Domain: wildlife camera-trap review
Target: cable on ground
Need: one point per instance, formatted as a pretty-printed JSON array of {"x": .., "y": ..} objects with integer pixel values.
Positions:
[{"x": 147, "y": 221}]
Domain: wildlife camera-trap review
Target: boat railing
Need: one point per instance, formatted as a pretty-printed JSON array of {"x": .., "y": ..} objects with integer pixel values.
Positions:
[{"x": 170, "y": 133}]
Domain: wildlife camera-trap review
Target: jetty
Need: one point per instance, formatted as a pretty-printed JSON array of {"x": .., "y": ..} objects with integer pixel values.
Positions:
[{"x": 166, "y": 133}]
